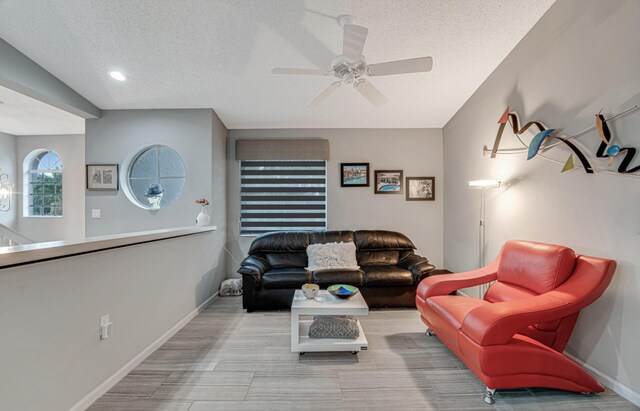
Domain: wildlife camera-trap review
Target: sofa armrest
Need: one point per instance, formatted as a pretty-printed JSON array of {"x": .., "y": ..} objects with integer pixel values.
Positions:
[
  {"x": 447, "y": 283},
  {"x": 254, "y": 266},
  {"x": 418, "y": 265}
]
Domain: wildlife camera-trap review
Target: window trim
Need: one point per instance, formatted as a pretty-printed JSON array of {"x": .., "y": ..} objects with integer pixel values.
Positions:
[
  {"x": 326, "y": 197},
  {"x": 27, "y": 171}
]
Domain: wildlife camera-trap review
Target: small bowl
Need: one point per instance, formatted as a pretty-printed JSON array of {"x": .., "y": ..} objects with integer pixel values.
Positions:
[
  {"x": 342, "y": 290},
  {"x": 310, "y": 290}
]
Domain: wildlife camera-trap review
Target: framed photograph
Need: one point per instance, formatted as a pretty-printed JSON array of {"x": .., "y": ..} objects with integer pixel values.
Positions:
[
  {"x": 421, "y": 188},
  {"x": 388, "y": 182},
  {"x": 354, "y": 174},
  {"x": 102, "y": 177}
]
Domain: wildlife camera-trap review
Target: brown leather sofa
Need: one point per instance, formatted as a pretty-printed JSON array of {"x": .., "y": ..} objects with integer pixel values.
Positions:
[{"x": 388, "y": 276}]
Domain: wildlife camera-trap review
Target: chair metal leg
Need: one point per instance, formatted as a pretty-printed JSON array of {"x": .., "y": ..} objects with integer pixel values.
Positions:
[
  {"x": 430, "y": 332},
  {"x": 488, "y": 395}
]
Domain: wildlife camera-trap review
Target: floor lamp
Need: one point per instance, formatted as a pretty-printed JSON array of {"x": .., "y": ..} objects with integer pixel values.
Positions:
[{"x": 482, "y": 185}]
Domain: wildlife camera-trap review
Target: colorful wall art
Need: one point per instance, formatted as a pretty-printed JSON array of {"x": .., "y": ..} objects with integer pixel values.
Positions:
[{"x": 536, "y": 146}]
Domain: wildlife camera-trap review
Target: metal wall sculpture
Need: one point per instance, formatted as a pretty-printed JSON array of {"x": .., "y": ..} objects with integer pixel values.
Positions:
[{"x": 536, "y": 148}]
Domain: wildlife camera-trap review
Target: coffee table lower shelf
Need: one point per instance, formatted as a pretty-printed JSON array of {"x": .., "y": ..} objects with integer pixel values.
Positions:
[{"x": 306, "y": 344}]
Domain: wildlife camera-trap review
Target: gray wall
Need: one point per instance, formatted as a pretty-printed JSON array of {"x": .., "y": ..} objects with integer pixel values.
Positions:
[
  {"x": 581, "y": 56},
  {"x": 197, "y": 135},
  {"x": 50, "y": 351},
  {"x": 8, "y": 164},
  {"x": 418, "y": 152},
  {"x": 70, "y": 226},
  {"x": 20, "y": 73}
]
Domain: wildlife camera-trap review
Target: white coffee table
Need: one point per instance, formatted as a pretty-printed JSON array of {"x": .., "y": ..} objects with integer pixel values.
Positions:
[{"x": 325, "y": 304}]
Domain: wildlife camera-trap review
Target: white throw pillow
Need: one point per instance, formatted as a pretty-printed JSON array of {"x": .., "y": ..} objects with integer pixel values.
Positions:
[{"x": 332, "y": 256}]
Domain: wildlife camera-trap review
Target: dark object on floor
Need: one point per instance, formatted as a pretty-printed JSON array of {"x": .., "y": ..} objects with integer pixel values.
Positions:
[
  {"x": 515, "y": 336},
  {"x": 388, "y": 276},
  {"x": 231, "y": 287}
]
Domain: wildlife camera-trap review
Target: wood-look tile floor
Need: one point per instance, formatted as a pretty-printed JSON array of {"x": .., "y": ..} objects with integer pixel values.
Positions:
[{"x": 227, "y": 359}]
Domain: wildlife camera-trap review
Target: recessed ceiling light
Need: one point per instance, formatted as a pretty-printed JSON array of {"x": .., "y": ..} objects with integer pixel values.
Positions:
[{"x": 116, "y": 75}]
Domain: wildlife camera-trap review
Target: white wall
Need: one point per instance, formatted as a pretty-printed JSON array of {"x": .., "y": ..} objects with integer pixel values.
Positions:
[
  {"x": 198, "y": 136},
  {"x": 418, "y": 152},
  {"x": 70, "y": 226},
  {"x": 8, "y": 164},
  {"x": 581, "y": 56},
  {"x": 50, "y": 352}
]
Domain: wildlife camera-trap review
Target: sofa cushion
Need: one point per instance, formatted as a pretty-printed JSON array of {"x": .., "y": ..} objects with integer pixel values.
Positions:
[
  {"x": 281, "y": 260},
  {"x": 325, "y": 278},
  {"x": 451, "y": 309},
  {"x": 386, "y": 257},
  {"x": 381, "y": 240},
  {"x": 536, "y": 266},
  {"x": 285, "y": 278},
  {"x": 332, "y": 256},
  {"x": 386, "y": 276}
]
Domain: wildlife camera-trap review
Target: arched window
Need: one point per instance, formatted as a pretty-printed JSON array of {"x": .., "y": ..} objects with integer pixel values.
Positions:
[{"x": 43, "y": 196}]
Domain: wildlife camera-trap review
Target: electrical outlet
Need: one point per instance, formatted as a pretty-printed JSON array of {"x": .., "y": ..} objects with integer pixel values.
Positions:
[
  {"x": 106, "y": 327},
  {"x": 96, "y": 213}
]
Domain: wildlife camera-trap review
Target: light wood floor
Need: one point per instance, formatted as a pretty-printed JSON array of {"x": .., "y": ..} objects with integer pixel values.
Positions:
[{"x": 227, "y": 359}]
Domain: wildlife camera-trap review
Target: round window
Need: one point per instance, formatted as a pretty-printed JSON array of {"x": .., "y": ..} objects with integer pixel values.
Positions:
[{"x": 155, "y": 177}]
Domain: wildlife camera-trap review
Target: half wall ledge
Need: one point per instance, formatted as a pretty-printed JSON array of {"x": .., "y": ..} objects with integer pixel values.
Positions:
[{"x": 40, "y": 252}]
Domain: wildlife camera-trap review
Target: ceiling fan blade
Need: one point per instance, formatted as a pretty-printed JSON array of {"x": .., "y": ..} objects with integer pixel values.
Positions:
[
  {"x": 324, "y": 94},
  {"x": 353, "y": 42},
  {"x": 371, "y": 93},
  {"x": 298, "y": 71},
  {"x": 417, "y": 65}
]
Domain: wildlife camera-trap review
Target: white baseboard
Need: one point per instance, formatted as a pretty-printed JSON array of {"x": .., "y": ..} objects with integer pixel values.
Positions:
[
  {"x": 615, "y": 386},
  {"x": 101, "y": 389}
]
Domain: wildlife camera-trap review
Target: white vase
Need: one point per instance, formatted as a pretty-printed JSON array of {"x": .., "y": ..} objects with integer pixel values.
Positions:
[{"x": 203, "y": 218}]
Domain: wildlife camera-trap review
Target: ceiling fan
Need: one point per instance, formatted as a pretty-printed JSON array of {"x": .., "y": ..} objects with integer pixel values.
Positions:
[{"x": 351, "y": 68}]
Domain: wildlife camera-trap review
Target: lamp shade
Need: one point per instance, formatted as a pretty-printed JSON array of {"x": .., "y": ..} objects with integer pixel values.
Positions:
[{"x": 479, "y": 184}]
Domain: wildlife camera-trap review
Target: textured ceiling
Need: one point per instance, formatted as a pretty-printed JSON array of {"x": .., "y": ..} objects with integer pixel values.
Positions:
[
  {"x": 21, "y": 115},
  {"x": 218, "y": 53}
]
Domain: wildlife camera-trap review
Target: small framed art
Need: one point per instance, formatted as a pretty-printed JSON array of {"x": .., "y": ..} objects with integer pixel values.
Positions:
[
  {"x": 388, "y": 182},
  {"x": 354, "y": 174},
  {"x": 102, "y": 177},
  {"x": 421, "y": 188}
]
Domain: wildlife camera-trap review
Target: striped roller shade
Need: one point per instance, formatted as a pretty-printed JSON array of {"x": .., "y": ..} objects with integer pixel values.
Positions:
[{"x": 282, "y": 195}]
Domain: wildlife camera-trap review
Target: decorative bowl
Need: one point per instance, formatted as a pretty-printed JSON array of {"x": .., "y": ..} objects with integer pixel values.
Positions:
[
  {"x": 342, "y": 290},
  {"x": 310, "y": 290}
]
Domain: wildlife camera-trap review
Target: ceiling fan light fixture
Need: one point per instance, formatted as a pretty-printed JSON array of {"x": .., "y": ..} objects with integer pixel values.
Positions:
[{"x": 351, "y": 67}]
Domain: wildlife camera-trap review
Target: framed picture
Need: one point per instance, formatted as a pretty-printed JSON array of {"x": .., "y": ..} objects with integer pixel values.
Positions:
[
  {"x": 102, "y": 177},
  {"x": 354, "y": 174},
  {"x": 388, "y": 182},
  {"x": 421, "y": 188}
]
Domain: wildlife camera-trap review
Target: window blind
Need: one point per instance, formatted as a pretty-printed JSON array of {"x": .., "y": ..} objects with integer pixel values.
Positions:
[{"x": 282, "y": 195}]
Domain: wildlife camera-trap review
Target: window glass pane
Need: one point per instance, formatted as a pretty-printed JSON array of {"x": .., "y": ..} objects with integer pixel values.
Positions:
[
  {"x": 145, "y": 165},
  {"x": 172, "y": 190},
  {"x": 171, "y": 164},
  {"x": 139, "y": 187}
]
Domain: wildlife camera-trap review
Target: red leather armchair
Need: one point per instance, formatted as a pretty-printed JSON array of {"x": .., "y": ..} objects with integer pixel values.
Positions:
[{"x": 515, "y": 336}]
